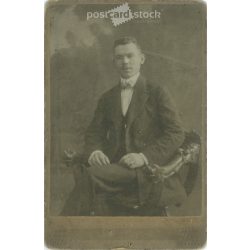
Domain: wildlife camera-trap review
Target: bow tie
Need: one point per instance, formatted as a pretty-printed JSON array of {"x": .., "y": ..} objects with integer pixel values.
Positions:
[{"x": 126, "y": 84}]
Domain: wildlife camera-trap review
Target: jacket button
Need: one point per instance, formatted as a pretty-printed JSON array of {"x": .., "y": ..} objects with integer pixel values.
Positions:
[{"x": 139, "y": 131}]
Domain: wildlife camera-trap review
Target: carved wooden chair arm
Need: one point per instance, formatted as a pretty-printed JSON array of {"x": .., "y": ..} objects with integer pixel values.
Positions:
[{"x": 187, "y": 154}]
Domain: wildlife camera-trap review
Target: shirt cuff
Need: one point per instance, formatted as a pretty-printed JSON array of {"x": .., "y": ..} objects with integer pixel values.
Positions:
[
  {"x": 144, "y": 158},
  {"x": 92, "y": 154}
]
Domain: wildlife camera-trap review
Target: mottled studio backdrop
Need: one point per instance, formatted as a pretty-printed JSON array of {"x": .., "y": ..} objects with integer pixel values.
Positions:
[{"x": 81, "y": 69}]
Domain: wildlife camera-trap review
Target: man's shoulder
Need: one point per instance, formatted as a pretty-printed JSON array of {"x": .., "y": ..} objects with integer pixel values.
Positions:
[
  {"x": 156, "y": 88},
  {"x": 108, "y": 94},
  {"x": 113, "y": 90}
]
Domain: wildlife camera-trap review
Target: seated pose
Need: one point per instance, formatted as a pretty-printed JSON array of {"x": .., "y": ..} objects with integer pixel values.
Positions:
[{"x": 135, "y": 125}]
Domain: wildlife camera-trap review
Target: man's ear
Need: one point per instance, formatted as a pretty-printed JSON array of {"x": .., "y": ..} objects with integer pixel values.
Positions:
[{"x": 143, "y": 58}]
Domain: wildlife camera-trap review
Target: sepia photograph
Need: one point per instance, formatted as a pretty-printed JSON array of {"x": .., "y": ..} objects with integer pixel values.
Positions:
[{"x": 125, "y": 124}]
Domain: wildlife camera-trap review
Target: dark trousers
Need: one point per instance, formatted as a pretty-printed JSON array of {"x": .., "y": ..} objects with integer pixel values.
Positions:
[
  {"x": 95, "y": 187},
  {"x": 107, "y": 191},
  {"x": 111, "y": 183}
]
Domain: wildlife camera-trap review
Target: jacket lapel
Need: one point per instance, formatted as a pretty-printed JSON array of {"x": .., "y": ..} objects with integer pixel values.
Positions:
[
  {"x": 139, "y": 98},
  {"x": 115, "y": 106}
]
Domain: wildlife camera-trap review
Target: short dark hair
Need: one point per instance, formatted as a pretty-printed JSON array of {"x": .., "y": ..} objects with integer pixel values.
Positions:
[{"x": 126, "y": 40}]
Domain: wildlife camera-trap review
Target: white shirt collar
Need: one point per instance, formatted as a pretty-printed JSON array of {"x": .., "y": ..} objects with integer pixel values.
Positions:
[{"x": 132, "y": 80}]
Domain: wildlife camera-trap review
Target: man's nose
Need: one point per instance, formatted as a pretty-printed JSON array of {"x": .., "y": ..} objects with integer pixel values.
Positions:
[{"x": 125, "y": 60}]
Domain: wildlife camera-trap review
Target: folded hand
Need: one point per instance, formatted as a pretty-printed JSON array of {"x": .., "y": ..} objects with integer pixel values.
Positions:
[
  {"x": 98, "y": 158},
  {"x": 132, "y": 160}
]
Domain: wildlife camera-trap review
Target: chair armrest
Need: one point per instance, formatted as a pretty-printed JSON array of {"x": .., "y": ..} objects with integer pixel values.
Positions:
[
  {"x": 187, "y": 154},
  {"x": 73, "y": 161}
]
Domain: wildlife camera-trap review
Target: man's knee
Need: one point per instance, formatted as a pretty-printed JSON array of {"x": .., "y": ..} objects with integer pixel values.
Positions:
[{"x": 113, "y": 173}]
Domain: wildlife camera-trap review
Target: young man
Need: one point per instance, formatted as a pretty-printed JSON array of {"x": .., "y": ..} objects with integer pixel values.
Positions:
[{"x": 135, "y": 124}]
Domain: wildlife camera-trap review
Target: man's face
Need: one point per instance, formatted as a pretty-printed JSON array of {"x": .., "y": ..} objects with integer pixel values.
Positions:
[{"x": 128, "y": 59}]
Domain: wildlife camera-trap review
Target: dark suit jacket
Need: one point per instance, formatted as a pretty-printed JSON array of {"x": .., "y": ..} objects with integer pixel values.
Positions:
[{"x": 153, "y": 128}]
